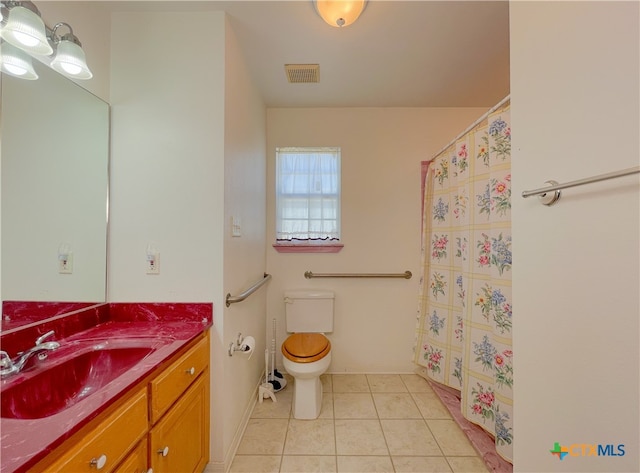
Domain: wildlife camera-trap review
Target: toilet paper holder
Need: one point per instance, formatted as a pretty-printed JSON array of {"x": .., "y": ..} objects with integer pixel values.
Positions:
[{"x": 239, "y": 345}]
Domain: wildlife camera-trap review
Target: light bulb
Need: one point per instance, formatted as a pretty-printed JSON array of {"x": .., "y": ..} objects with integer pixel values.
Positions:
[
  {"x": 71, "y": 68},
  {"x": 26, "y": 39},
  {"x": 15, "y": 70}
]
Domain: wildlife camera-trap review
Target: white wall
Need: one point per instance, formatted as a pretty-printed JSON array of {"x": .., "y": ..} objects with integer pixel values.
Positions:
[
  {"x": 575, "y": 113},
  {"x": 188, "y": 153},
  {"x": 167, "y": 157},
  {"x": 244, "y": 256},
  {"x": 381, "y": 153}
]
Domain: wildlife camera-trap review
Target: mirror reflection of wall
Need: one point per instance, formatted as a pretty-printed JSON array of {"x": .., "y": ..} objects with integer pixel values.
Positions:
[{"x": 54, "y": 171}]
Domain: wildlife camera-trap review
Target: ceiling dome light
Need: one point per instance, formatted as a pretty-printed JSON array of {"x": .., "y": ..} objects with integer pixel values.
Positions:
[
  {"x": 69, "y": 58},
  {"x": 15, "y": 62},
  {"x": 25, "y": 30},
  {"x": 339, "y": 13}
]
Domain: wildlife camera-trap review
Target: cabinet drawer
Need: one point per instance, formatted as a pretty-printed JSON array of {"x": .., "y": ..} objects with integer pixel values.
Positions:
[
  {"x": 170, "y": 385},
  {"x": 106, "y": 445},
  {"x": 136, "y": 462}
]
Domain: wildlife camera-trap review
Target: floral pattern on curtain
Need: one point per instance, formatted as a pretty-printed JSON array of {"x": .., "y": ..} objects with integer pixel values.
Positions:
[{"x": 465, "y": 317}]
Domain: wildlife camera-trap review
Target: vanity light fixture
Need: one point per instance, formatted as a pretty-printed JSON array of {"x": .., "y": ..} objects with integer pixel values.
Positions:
[
  {"x": 69, "y": 58},
  {"x": 25, "y": 29},
  {"x": 339, "y": 13},
  {"x": 22, "y": 26},
  {"x": 16, "y": 62}
]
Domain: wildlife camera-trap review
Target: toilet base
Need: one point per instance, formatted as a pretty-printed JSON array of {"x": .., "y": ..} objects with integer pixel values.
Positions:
[
  {"x": 307, "y": 398},
  {"x": 307, "y": 386}
]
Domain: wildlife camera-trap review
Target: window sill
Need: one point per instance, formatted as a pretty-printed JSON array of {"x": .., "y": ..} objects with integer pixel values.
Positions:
[{"x": 308, "y": 248}]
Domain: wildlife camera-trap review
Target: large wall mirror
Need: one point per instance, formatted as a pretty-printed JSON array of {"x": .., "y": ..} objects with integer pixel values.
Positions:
[{"x": 54, "y": 190}]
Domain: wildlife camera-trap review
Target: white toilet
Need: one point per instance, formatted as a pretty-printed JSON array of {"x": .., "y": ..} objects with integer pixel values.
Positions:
[{"x": 307, "y": 352}]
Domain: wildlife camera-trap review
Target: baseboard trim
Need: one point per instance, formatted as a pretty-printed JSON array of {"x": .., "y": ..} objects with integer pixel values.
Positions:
[
  {"x": 237, "y": 438},
  {"x": 215, "y": 467}
]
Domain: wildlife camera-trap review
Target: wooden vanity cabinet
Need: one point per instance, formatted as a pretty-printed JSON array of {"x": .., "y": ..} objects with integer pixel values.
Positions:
[{"x": 163, "y": 427}]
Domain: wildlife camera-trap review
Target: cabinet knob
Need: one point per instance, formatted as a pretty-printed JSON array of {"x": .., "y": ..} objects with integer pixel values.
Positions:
[
  {"x": 150, "y": 470},
  {"x": 191, "y": 371},
  {"x": 99, "y": 462},
  {"x": 164, "y": 451}
]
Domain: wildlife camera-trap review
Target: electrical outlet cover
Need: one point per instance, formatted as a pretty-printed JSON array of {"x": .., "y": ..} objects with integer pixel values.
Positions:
[
  {"x": 153, "y": 264},
  {"x": 65, "y": 265}
]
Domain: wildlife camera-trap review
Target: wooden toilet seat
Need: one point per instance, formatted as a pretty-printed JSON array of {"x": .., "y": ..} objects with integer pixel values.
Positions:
[{"x": 306, "y": 347}]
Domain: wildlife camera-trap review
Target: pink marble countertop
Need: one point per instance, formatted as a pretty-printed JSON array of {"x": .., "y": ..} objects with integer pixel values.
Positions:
[{"x": 165, "y": 327}]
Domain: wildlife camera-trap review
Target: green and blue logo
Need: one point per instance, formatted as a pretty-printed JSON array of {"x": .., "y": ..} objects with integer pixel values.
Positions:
[{"x": 587, "y": 450}]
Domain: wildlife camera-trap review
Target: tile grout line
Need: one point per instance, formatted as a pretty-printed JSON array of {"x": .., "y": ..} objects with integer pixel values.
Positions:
[
  {"x": 335, "y": 433},
  {"x": 286, "y": 435}
]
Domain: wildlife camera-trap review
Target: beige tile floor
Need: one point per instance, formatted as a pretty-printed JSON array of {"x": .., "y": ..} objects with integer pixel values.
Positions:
[{"x": 368, "y": 423}]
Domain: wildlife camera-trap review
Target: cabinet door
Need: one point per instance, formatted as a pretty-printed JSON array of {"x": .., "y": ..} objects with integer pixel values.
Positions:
[{"x": 180, "y": 441}]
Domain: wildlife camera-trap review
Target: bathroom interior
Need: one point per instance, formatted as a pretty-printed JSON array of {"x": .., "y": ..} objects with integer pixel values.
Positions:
[{"x": 175, "y": 210}]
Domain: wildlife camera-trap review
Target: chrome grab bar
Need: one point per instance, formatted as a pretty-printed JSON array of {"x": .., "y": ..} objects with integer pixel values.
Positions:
[
  {"x": 405, "y": 275},
  {"x": 239, "y": 298},
  {"x": 555, "y": 187}
]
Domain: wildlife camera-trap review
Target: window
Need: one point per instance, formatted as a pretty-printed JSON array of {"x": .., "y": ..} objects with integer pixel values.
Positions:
[{"x": 308, "y": 199}]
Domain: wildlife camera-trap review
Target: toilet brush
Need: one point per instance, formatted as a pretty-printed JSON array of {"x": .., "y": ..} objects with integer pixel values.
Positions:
[
  {"x": 276, "y": 374},
  {"x": 277, "y": 385},
  {"x": 275, "y": 377},
  {"x": 266, "y": 388}
]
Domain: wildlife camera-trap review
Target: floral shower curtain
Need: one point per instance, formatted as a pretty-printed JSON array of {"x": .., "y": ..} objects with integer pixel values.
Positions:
[{"x": 464, "y": 322}]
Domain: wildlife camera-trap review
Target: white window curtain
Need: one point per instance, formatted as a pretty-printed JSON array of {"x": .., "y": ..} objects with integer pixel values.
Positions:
[{"x": 307, "y": 194}]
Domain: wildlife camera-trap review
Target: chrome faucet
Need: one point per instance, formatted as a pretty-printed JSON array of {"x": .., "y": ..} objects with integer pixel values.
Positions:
[{"x": 10, "y": 366}]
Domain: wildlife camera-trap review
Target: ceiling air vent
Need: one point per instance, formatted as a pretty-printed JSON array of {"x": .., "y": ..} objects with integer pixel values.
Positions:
[{"x": 302, "y": 73}]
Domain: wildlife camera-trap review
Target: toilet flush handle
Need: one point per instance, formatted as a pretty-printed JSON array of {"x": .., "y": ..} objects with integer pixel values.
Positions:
[{"x": 288, "y": 300}]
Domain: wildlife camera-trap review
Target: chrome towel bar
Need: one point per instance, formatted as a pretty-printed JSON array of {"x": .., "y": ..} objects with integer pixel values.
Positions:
[
  {"x": 548, "y": 199},
  {"x": 240, "y": 297},
  {"x": 405, "y": 275}
]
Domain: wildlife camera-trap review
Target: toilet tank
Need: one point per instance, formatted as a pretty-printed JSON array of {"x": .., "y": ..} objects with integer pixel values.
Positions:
[{"x": 309, "y": 311}]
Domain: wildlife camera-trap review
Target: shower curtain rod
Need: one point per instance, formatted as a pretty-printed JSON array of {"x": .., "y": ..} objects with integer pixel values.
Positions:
[
  {"x": 472, "y": 126},
  {"x": 555, "y": 187}
]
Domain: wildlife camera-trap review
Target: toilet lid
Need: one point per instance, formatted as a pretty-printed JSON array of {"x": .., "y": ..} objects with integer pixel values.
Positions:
[{"x": 306, "y": 347}]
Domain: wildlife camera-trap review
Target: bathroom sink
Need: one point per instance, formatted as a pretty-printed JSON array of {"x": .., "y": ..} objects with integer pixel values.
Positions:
[{"x": 56, "y": 386}]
